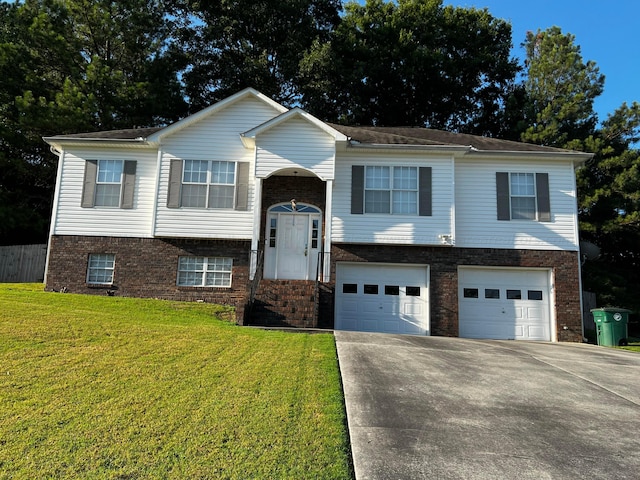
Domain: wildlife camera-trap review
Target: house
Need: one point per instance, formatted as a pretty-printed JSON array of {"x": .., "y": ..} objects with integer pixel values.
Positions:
[{"x": 298, "y": 222}]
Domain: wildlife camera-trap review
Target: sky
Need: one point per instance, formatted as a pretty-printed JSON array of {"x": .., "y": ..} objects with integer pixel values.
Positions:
[{"x": 606, "y": 31}]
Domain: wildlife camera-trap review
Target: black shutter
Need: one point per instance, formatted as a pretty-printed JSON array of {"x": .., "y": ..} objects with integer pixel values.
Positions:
[
  {"x": 357, "y": 189},
  {"x": 425, "y": 192},
  {"x": 542, "y": 197},
  {"x": 502, "y": 193}
]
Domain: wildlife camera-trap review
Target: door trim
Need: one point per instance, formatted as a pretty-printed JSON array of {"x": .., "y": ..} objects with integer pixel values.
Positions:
[{"x": 313, "y": 216}]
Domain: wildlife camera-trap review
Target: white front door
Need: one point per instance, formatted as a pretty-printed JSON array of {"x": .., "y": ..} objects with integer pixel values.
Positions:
[
  {"x": 293, "y": 241},
  {"x": 292, "y": 246}
]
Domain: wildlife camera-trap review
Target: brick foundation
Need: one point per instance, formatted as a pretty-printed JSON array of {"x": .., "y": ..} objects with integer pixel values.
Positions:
[{"x": 146, "y": 267}]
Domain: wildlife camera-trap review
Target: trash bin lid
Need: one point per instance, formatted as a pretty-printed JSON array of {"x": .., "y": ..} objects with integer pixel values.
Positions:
[{"x": 610, "y": 310}]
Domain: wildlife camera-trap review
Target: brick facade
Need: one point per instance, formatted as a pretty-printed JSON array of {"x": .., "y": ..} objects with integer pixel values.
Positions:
[{"x": 147, "y": 267}]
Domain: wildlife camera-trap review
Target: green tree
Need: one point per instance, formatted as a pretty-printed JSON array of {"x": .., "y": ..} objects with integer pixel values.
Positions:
[
  {"x": 609, "y": 203},
  {"x": 70, "y": 66},
  {"x": 560, "y": 88},
  {"x": 233, "y": 44},
  {"x": 414, "y": 62}
]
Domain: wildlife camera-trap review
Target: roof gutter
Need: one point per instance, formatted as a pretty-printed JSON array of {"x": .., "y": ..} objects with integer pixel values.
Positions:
[
  {"x": 397, "y": 146},
  {"x": 577, "y": 157},
  {"x": 58, "y": 143},
  {"x": 51, "y": 140}
]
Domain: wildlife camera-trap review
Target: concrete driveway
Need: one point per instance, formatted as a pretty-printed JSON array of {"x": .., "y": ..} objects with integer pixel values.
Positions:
[{"x": 450, "y": 408}]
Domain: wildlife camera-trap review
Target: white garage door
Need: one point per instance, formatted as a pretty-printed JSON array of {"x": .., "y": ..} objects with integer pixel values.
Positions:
[
  {"x": 510, "y": 304},
  {"x": 382, "y": 298}
]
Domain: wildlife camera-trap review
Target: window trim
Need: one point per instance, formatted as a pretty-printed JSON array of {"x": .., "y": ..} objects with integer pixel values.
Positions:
[
  {"x": 90, "y": 269},
  {"x": 105, "y": 183},
  {"x": 240, "y": 185},
  {"x": 127, "y": 183},
  {"x": 504, "y": 197},
  {"x": 424, "y": 190},
  {"x": 205, "y": 270},
  {"x": 392, "y": 188},
  {"x": 209, "y": 183}
]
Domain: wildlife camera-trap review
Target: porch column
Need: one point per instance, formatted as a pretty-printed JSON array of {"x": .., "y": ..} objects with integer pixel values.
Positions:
[
  {"x": 326, "y": 267},
  {"x": 255, "y": 239}
]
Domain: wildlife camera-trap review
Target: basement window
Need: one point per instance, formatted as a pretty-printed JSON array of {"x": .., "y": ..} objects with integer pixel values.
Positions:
[
  {"x": 204, "y": 271},
  {"x": 100, "y": 268}
]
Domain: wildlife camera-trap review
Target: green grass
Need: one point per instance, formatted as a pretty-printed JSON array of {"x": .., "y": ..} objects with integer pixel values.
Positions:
[
  {"x": 634, "y": 345},
  {"x": 99, "y": 387}
]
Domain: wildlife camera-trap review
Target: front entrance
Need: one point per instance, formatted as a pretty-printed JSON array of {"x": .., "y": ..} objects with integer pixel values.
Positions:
[{"x": 292, "y": 242}]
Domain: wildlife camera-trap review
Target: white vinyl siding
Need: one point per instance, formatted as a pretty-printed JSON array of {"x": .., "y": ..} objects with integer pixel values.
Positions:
[
  {"x": 71, "y": 219},
  {"x": 214, "y": 139},
  {"x": 477, "y": 225},
  {"x": 295, "y": 143},
  {"x": 407, "y": 229}
]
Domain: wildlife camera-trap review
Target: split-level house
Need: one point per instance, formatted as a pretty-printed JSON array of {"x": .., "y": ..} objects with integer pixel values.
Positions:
[{"x": 298, "y": 222}]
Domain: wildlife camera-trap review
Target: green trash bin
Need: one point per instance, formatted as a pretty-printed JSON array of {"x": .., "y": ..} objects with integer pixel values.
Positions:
[{"x": 611, "y": 326}]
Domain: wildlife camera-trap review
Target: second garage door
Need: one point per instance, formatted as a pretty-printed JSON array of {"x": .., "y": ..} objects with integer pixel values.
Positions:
[
  {"x": 382, "y": 298},
  {"x": 509, "y": 303}
]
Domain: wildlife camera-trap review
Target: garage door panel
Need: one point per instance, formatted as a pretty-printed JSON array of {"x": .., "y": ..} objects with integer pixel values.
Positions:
[
  {"x": 504, "y": 304},
  {"x": 412, "y": 309},
  {"x": 534, "y": 313},
  {"x": 396, "y": 300},
  {"x": 536, "y": 332}
]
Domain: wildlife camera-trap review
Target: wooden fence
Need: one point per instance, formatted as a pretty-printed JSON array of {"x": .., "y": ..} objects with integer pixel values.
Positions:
[{"x": 22, "y": 263}]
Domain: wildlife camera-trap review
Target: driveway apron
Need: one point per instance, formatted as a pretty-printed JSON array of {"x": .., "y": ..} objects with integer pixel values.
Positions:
[{"x": 450, "y": 408}]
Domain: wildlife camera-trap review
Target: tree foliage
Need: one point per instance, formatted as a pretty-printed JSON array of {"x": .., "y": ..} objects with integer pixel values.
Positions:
[
  {"x": 70, "y": 66},
  {"x": 414, "y": 62},
  {"x": 560, "y": 90},
  {"x": 233, "y": 44}
]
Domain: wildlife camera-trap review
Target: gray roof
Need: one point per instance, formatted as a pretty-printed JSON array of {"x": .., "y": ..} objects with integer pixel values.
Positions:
[
  {"x": 362, "y": 135},
  {"x": 428, "y": 136},
  {"x": 124, "y": 134}
]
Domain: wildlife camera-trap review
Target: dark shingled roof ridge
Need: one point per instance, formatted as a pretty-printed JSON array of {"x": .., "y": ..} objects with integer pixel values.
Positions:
[
  {"x": 123, "y": 134},
  {"x": 365, "y": 135},
  {"x": 429, "y": 136}
]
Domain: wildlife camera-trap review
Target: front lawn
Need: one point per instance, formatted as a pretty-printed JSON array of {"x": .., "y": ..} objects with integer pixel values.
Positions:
[{"x": 100, "y": 387}]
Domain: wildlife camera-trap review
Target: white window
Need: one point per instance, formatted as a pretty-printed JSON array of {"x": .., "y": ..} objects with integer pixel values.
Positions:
[
  {"x": 208, "y": 184},
  {"x": 523, "y": 196},
  {"x": 100, "y": 270},
  {"x": 204, "y": 271},
  {"x": 391, "y": 190},
  {"x": 109, "y": 183}
]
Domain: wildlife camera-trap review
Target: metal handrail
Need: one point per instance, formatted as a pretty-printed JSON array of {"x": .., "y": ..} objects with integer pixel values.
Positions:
[{"x": 257, "y": 276}]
